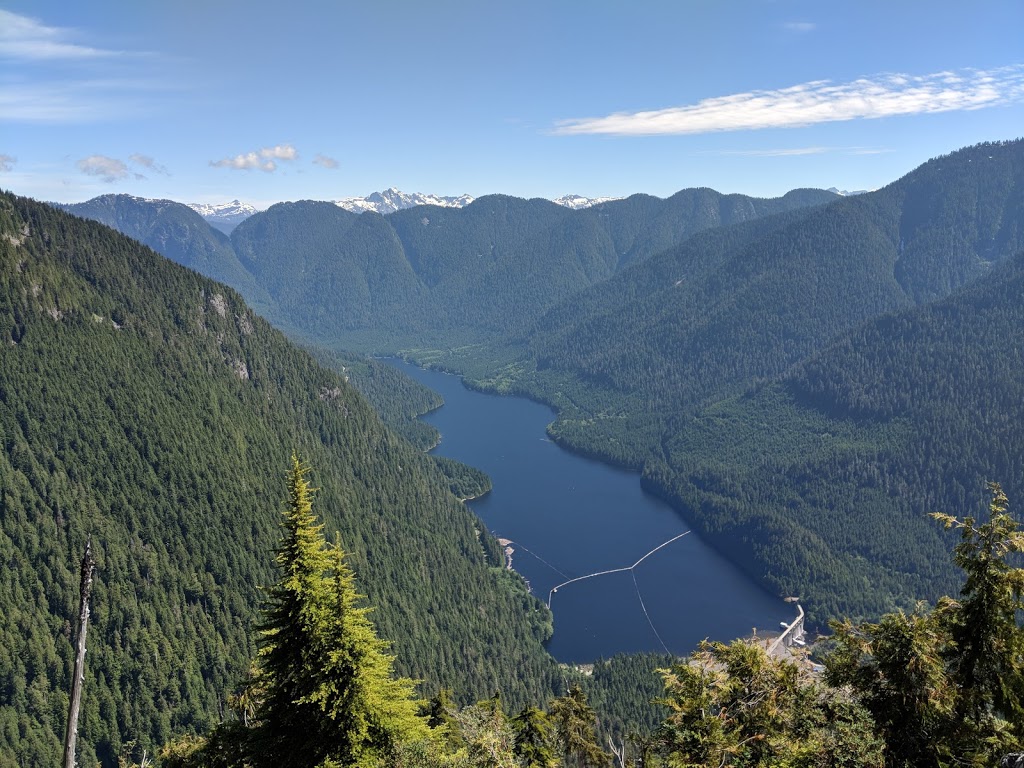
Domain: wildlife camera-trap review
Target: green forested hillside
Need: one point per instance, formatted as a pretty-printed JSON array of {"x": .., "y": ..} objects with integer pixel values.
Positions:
[
  {"x": 179, "y": 233},
  {"x": 428, "y": 276},
  {"x": 736, "y": 305},
  {"x": 148, "y": 407},
  {"x": 325, "y": 267},
  {"x": 398, "y": 399}
]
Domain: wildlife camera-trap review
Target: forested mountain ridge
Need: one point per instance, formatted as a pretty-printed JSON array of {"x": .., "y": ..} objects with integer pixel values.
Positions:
[
  {"x": 445, "y": 276},
  {"x": 149, "y": 407},
  {"x": 847, "y": 453},
  {"x": 735, "y": 305},
  {"x": 178, "y": 232}
]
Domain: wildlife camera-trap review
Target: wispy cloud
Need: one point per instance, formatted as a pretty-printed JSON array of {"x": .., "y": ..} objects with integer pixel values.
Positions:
[
  {"x": 47, "y": 103},
  {"x": 22, "y": 37},
  {"x": 7, "y": 163},
  {"x": 324, "y": 161},
  {"x": 148, "y": 162},
  {"x": 262, "y": 159},
  {"x": 820, "y": 101},
  {"x": 800, "y": 26},
  {"x": 109, "y": 169},
  {"x": 53, "y": 75}
]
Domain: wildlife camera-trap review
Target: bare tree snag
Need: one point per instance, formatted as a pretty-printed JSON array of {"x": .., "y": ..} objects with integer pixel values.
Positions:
[
  {"x": 619, "y": 752},
  {"x": 71, "y": 736}
]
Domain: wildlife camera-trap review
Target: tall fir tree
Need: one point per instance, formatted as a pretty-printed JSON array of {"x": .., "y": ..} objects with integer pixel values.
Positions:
[
  {"x": 326, "y": 680},
  {"x": 986, "y": 642}
]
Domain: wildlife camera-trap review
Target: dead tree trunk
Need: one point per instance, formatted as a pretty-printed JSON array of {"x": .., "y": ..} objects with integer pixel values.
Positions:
[
  {"x": 619, "y": 752},
  {"x": 71, "y": 736}
]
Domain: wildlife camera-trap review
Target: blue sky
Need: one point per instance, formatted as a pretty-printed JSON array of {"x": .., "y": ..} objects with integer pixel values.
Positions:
[{"x": 210, "y": 100}]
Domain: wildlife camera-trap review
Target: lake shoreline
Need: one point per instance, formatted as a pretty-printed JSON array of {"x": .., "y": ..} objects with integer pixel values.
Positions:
[{"x": 570, "y": 514}]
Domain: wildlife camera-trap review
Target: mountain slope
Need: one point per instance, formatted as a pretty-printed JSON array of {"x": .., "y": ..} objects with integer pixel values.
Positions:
[
  {"x": 450, "y": 276},
  {"x": 148, "y": 407},
  {"x": 178, "y": 232},
  {"x": 846, "y": 454},
  {"x": 733, "y": 306}
]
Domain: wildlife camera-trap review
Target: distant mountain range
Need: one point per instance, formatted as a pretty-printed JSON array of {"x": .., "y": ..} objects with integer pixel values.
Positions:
[
  {"x": 846, "y": 192},
  {"x": 576, "y": 202},
  {"x": 391, "y": 200},
  {"x": 227, "y": 216},
  {"x": 224, "y": 216}
]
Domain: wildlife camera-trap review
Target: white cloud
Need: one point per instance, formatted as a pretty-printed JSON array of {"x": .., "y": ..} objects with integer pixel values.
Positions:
[
  {"x": 22, "y": 37},
  {"x": 281, "y": 152},
  {"x": 800, "y": 26},
  {"x": 148, "y": 162},
  {"x": 819, "y": 101},
  {"x": 52, "y": 77},
  {"x": 262, "y": 159},
  {"x": 324, "y": 161},
  {"x": 110, "y": 169},
  {"x": 7, "y": 163},
  {"x": 245, "y": 162}
]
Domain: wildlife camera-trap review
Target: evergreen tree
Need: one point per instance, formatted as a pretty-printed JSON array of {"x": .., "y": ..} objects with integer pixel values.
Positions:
[
  {"x": 945, "y": 685},
  {"x": 486, "y": 735},
  {"x": 534, "y": 738},
  {"x": 987, "y": 644},
  {"x": 895, "y": 669},
  {"x": 735, "y": 705},
  {"x": 326, "y": 679},
  {"x": 575, "y": 720}
]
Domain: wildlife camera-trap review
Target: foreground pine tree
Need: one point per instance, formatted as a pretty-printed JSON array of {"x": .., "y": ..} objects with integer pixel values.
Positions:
[
  {"x": 323, "y": 691},
  {"x": 327, "y": 686},
  {"x": 946, "y": 685}
]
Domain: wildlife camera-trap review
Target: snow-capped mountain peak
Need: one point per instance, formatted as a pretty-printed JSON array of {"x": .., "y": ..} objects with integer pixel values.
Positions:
[
  {"x": 235, "y": 208},
  {"x": 224, "y": 216},
  {"x": 576, "y": 202},
  {"x": 392, "y": 199}
]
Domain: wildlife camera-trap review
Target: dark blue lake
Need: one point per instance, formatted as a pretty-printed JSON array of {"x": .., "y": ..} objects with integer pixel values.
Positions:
[{"x": 569, "y": 516}]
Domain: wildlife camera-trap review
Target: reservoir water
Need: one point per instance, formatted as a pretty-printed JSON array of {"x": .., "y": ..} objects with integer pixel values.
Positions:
[{"x": 568, "y": 517}]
